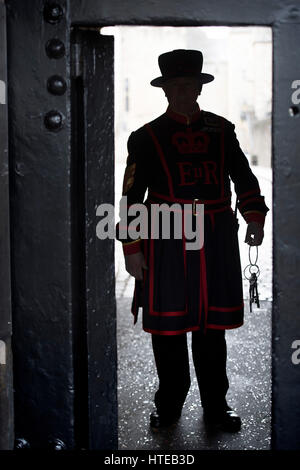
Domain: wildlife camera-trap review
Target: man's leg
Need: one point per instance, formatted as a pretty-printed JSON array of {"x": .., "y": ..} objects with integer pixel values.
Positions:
[
  {"x": 172, "y": 364},
  {"x": 209, "y": 356}
]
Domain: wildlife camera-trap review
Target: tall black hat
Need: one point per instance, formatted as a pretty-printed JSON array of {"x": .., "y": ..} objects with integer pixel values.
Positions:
[{"x": 181, "y": 63}]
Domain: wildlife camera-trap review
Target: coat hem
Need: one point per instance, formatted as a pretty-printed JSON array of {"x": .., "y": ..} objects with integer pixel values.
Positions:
[
  {"x": 191, "y": 329},
  {"x": 169, "y": 333},
  {"x": 224, "y": 327}
]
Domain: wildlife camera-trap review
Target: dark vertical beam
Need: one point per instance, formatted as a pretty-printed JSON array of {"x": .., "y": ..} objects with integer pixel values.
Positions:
[
  {"x": 39, "y": 145},
  {"x": 80, "y": 352},
  {"x": 286, "y": 226},
  {"x": 98, "y": 82},
  {"x": 6, "y": 383}
]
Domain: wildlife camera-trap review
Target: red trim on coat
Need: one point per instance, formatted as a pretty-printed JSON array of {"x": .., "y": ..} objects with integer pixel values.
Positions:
[
  {"x": 188, "y": 201},
  {"x": 168, "y": 314},
  {"x": 162, "y": 158},
  {"x": 206, "y": 211}
]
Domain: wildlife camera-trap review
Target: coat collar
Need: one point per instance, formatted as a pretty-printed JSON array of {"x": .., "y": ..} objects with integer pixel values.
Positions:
[{"x": 183, "y": 118}]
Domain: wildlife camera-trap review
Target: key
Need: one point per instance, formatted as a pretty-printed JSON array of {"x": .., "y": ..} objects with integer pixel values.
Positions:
[{"x": 253, "y": 292}]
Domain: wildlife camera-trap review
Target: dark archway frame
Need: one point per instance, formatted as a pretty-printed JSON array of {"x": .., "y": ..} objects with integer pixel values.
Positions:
[{"x": 45, "y": 327}]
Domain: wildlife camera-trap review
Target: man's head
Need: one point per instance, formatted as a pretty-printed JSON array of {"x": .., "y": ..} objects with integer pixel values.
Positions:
[
  {"x": 182, "y": 92},
  {"x": 182, "y": 78}
]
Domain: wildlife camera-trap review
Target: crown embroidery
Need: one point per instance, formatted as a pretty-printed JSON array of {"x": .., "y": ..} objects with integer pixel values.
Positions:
[{"x": 191, "y": 142}]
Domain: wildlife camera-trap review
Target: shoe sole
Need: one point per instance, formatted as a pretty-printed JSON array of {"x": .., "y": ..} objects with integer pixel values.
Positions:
[
  {"x": 162, "y": 428},
  {"x": 222, "y": 427},
  {"x": 165, "y": 426}
]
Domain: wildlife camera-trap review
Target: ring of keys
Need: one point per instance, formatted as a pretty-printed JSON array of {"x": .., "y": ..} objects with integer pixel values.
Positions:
[{"x": 252, "y": 278}]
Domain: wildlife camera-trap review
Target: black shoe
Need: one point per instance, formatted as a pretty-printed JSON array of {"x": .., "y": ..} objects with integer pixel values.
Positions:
[
  {"x": 227, "y": 420},
  {"x": 159, "y": 421}
]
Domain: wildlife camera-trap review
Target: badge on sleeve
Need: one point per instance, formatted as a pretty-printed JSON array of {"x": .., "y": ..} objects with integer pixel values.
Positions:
[{"x": 128, "y": 177}]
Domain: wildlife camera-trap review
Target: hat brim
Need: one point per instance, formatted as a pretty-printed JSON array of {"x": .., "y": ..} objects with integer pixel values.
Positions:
[{"x": 203, "y": 78}]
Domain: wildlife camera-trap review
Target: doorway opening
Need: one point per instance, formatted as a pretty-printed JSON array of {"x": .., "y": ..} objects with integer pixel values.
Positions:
[{"x": 240, "y": 58}]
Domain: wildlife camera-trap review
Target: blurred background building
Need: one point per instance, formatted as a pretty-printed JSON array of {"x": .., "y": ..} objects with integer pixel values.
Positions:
[{"x": 240, "y": 58}]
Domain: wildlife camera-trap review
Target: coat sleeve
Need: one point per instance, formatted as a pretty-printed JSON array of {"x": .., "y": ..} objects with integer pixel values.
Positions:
[
  {"x": 251, "y": 203},
  {"x": 135, "y": 183}
]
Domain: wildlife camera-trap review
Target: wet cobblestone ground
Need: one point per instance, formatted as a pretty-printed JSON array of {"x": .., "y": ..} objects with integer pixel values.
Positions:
[{"x": 249, "y": 393}]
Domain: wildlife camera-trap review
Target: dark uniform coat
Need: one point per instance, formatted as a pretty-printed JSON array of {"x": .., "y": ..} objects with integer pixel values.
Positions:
[{"x": 191, "y": 161}]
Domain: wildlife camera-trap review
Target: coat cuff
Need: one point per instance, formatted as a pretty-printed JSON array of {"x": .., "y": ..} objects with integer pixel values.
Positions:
[
  {"x": 254, "y": 216},
  {"x": 132, "y": 247}
]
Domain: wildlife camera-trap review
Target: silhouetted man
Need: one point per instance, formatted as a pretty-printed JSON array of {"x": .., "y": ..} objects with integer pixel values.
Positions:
[{"x": 188, "y": 156}]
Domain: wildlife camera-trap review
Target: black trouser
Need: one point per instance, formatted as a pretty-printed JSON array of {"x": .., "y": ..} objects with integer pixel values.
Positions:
[{"x": 172, "y": 364}]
